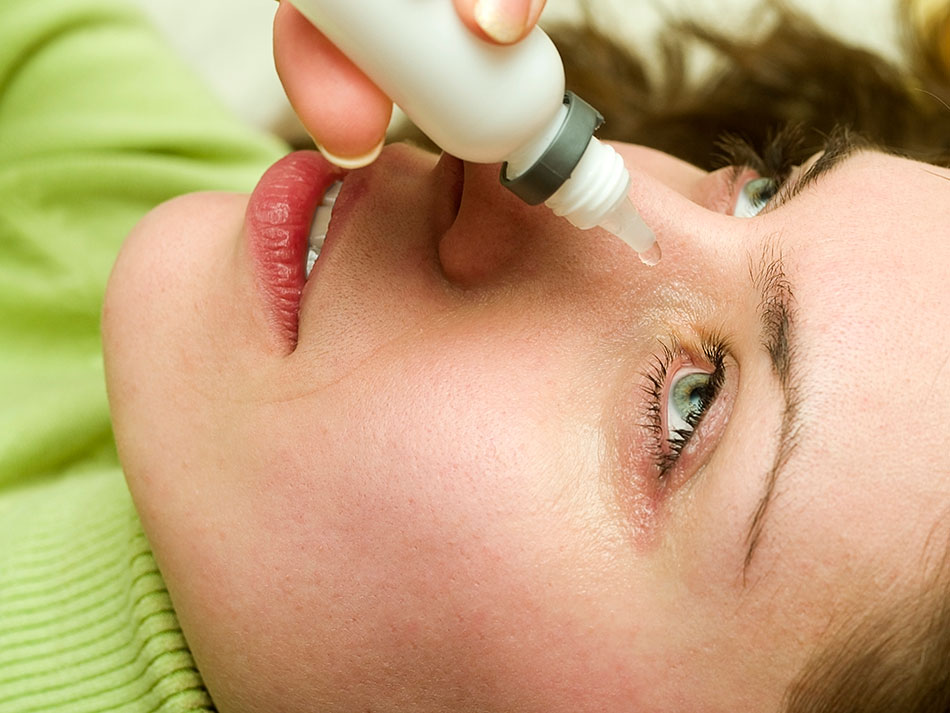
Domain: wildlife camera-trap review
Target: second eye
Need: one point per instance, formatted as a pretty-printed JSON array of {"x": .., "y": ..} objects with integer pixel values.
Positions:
[{"x": 754, "y": 196}]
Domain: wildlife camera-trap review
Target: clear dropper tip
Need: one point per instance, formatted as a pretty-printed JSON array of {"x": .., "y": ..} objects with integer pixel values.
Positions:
[{"x": 625, "y": 222}]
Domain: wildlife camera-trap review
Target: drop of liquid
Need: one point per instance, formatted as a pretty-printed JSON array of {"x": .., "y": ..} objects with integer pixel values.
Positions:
[{"x": 651, "y": 256}]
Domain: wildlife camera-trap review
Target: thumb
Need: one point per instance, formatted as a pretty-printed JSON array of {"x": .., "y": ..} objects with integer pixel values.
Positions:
[{"x": 501, "y": 21}]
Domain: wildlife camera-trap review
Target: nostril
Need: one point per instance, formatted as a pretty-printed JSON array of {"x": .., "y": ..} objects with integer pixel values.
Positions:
[
  {"x": 492, "y": 232},
  {"x": 453, "y": 170},
  {"x": 449, "y": 179}
]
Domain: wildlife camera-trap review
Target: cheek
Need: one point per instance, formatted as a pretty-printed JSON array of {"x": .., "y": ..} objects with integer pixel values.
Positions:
[
  {"x": 415, "y": 494},
  {"x": 429, "y": 531}
]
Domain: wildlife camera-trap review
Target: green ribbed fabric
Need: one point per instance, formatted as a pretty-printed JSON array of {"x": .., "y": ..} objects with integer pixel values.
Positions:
[
  {"x": 86, "y": 623},
  {"x": 99, "y": 122}
]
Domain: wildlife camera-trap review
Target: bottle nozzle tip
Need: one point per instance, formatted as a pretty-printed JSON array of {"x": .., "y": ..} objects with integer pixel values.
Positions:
[{"x": 625, "y": 222}]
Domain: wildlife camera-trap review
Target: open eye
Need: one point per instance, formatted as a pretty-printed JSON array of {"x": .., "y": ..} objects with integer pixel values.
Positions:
[
  {"x": 754, "y": 196},
  {"x": 691, "y": 393},
  {"x": 683, "y": 389}
]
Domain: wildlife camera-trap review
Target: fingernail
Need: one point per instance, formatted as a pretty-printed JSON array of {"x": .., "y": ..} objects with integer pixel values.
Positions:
[
  {"x": 351, "y": 162},
  {"x": 502, "y": 20}
]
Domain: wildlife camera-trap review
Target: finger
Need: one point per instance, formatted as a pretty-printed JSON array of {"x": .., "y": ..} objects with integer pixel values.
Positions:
[
  {"x": 344, "y": 112},
  {"x": 501, "y": 21}
]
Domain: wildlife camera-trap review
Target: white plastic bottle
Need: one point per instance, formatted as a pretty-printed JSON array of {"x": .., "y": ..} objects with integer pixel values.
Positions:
[{"x": 490, "y": 104}]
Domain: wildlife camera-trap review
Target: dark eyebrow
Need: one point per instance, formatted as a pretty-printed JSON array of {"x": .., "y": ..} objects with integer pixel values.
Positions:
[
  {"x": 776, "y": 316},
  {"x": 839, "y": 145}
]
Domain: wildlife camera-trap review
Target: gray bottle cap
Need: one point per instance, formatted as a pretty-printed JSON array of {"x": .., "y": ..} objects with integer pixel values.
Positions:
[{"x": 558, "y": 161}]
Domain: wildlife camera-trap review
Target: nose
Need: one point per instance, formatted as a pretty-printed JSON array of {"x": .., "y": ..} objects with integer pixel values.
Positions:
[
  {"x": 684, "y": 178},
  {"x": 494, "y": 233},
  {"x": 496, "y": 238}
]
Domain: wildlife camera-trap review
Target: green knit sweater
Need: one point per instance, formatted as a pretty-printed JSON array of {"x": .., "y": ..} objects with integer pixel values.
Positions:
[{"x": 98, "y": 123}]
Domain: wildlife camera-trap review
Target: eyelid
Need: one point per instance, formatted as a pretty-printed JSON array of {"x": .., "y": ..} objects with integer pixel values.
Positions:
[
  {"x": 815, "y": 167},
  {"x": 839, "y": 146},
  {"x": 791, "y": 186},
  {"x": 799, "y": 177},
  {"x": 734, "y": 183}
]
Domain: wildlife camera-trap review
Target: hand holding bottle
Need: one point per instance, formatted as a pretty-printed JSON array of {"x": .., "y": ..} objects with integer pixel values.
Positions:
[{"x": 345, "y": 112}]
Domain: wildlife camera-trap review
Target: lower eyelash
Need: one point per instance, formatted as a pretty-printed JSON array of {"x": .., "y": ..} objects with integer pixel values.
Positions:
[{"x": 667, "y": 447}]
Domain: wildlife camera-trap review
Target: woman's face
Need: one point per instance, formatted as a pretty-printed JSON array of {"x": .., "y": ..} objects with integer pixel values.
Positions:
[{"x": 500, "y": 465}]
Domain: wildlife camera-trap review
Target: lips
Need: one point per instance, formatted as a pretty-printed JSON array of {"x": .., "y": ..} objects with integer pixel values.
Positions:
[
  {"x": 284, "y": 209},
  {"x": 277, "y": 222}
]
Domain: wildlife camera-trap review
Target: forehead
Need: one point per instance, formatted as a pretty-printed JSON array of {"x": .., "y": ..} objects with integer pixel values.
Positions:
[
  {"x": 871, "y": 263},
  {"x": 868, "y": 255}
]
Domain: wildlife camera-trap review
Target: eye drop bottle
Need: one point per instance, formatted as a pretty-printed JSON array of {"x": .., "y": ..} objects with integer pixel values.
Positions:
[{"x": 487, "y": 103}]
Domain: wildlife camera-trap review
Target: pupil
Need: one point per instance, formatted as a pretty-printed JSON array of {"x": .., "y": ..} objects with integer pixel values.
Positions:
[
  {"x": 691, "y": 396},
  {"x": 761, "y": 190},
  {"x": 696, "y": 400}
]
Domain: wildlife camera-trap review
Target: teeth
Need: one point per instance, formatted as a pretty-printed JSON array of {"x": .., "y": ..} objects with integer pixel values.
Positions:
[
  {"x": 320, "y": 224},
  {"x": 332, "y": 192},
  {"x": 318, "y": 228},
  {"x": 312, "y": 256}
]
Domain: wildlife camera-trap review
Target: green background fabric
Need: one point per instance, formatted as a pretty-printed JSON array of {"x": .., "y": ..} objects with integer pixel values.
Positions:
[{"x": 98, "y": 123}]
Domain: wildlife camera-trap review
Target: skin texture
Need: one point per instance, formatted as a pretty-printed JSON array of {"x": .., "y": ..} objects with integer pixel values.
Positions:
[
  {"x": 444, "y": 497},
  {"x": 344, "y": 111}
]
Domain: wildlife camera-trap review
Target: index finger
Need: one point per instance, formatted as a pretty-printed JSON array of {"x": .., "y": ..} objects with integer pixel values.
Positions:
[
  {"x": 345, "y": 113},
  {"x": 501, "y": 21}
]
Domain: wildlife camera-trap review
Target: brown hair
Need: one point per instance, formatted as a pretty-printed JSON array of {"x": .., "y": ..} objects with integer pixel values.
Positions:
[
  {"x": 797, "y": 74},
  {"x": 892, "y": 658}
]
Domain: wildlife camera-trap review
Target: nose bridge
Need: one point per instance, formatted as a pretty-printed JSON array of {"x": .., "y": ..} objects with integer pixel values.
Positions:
[{"x": 675, "y": 200}]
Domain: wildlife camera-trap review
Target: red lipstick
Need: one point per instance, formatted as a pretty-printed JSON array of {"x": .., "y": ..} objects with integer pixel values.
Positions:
[{"x": 277, "y": 224}]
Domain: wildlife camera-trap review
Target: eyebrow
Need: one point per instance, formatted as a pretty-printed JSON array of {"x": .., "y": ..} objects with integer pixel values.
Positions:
[{"x": 776, "y": 316}]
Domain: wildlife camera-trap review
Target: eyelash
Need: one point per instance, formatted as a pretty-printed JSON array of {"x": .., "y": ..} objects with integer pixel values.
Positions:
[
  {"x": 667, "y": 447},
  {"x": 783, "y": 151},
  {"x": 776, "y": 159}
]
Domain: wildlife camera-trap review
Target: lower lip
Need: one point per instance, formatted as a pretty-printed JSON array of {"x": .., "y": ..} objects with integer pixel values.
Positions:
[{"x": 277, "y": 226}]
